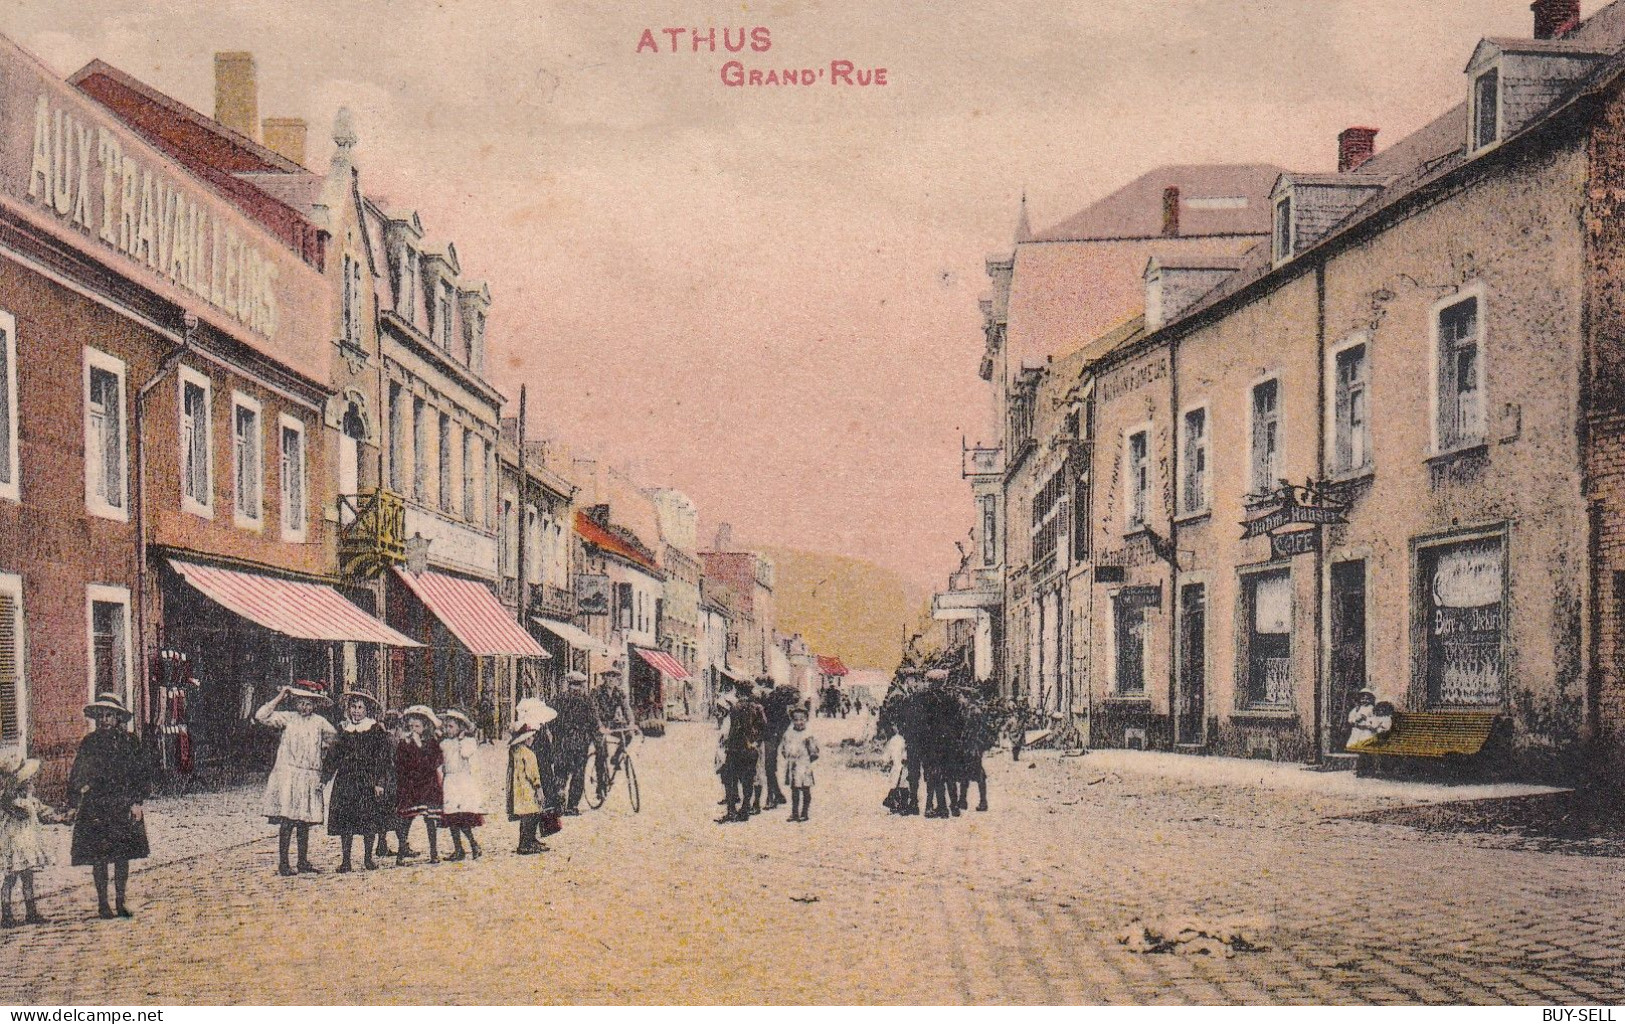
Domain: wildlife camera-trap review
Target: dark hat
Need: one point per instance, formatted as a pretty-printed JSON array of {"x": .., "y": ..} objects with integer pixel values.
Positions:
[{"x": 108, "y": 702}]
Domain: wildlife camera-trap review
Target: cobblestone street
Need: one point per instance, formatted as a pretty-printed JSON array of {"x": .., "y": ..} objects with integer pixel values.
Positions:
[{"x": 1021, "y": 904}]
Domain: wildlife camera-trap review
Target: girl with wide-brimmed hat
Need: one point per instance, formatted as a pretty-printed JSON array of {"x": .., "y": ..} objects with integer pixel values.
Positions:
[
  {"x": 294, "y": 795},
  {"x": 22, "y": 840},
  {"x": 419, "y": 779},
  {"x": 463, "y": 810},
  {"x": 107, "y": 788},
  {"x": 360, "y": 761}
]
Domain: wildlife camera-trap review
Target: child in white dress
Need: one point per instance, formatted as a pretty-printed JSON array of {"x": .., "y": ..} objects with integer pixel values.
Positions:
[
  {"x": 798, "y": 751},
  {"x": 22, "y": 840},
  {"x": 463, "y": 810}
]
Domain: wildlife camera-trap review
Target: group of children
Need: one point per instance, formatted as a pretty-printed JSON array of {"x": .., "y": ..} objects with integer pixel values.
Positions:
[
  {"x": 385, "y": 774},
  {"x": 107, "y": 786}
]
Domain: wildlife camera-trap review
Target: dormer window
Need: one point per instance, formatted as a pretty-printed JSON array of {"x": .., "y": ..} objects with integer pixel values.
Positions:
[
  {"x": 1283, "y": 229},
  {"x": 443, "y": 316},
  {"x": 1487, "y": 109}
]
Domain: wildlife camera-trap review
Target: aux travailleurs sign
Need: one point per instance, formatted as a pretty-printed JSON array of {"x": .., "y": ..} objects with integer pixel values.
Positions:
[{"x": 69, "y": 168}]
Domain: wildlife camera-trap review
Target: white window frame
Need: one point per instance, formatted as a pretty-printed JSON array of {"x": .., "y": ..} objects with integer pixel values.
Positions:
[
  {"x": 1475, "y": 290},
  {"x": 187, "y": 375},
  {"x": 11, "y": 585},
  {"x": 1129, "y": 523},
  {"x": 11, "y": 489},
  {"x": 1355, "y": 340},
  {"x": 1206, "y": 503},
  {"x": 1473, "y": 145},
  {"x": 1282, "y": 253},
  {"x": 293, "y": 527},
  {"x": 94, "y": 504},
  {"x": 1280, "y": 434},
  {"x": 94, "y": 593},
  {"x": 255, "y": 522}
]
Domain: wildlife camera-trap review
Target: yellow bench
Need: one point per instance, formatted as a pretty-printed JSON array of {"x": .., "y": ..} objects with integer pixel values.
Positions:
[{"x": 1431, "y": 734}]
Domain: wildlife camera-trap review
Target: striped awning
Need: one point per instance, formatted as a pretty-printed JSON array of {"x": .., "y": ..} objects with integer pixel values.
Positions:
[
  {"x": 472, "y": 614},
  {"x": 667, "y": 665},
  {"x": 306, "y": 611},
  {"x": 576, "y": 637}
]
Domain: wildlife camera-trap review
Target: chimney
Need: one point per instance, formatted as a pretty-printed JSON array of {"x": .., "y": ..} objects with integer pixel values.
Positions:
[
  {"x": 236, "y": 93},
  {"x": 1170, "y": 212},
  {"x": 1555, "y": 17},
  {"x": 1354, "y": 147},
  {"x": 285, "y": 136},
  {"x": 725, "y": 537}
]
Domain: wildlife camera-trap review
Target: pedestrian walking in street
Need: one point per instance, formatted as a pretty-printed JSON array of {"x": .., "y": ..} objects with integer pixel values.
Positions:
[
  {"x": 941, "y": 732},
  {"x": 897, "y": 766},
  {"x": 294, "y": 794},
  {"x": 22, "y": 836},
  {"x": 419, "y": 779},
  {"x": 107, "y": 789},
  {"x": 742, "y": 742},
  {"x": 776, "y": 704},
  {"x": 464, "y": 808},
  {"x": 359, "y": 762},
  {"x": 541, "y": 717},
  {"x": 524, "y": 788},
  {"x": 575, "y": 733},
  {"x": 1020, "y": 715},
  {"x": 799, "y": 750}
]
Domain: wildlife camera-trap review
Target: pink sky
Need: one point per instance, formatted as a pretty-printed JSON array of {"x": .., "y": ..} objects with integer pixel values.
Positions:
[{"x": 767, "y": 297}]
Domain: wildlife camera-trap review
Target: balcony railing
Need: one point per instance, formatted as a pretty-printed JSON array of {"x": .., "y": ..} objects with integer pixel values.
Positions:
[{"x": 372, "y": 532}]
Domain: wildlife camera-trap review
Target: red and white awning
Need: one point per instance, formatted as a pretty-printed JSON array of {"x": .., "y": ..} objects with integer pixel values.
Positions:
[
  {"x": 305, "y": 611},
  {"x": 472, "y": 614},
  {"x": 668, "y": 666}
]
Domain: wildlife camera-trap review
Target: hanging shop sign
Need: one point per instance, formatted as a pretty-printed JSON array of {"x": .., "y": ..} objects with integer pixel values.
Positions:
[
  {"x": 1294, "y": 542},
  {"x": 592, "y": 594},
  {"x": 1141, "y": 596},
  {"x": 1308, "y": 504}
]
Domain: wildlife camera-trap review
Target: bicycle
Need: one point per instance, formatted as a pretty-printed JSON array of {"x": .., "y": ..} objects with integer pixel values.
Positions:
[{"x": 620, "y": 760}]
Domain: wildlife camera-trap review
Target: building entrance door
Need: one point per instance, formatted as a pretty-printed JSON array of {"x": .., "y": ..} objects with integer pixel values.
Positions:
[
  {"x": 1348, "y": 650},
  {"x": 1192, "y": 710}
]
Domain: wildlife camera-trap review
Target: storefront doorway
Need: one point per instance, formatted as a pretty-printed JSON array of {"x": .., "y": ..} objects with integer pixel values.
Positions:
[
  {"x": 1348, "y": 670},
  {"x": 1192, "y": 711}
]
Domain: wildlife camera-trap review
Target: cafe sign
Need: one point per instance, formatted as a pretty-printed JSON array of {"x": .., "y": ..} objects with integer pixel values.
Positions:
[
  {"x": 69, "y": 167},
  {"x": 1308, "y": 505}
]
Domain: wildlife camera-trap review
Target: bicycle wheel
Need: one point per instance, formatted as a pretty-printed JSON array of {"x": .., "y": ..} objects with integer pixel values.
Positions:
[
  {"x": 631, "y": 782},
  {"x": 591, "y": 791}
]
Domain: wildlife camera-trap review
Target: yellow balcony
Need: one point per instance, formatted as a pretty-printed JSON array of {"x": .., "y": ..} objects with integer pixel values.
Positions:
[{"x": 372, "y": 532}]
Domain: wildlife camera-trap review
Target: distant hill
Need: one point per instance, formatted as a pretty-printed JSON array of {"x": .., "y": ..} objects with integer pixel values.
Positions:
[{"x": 843, "y": 606}]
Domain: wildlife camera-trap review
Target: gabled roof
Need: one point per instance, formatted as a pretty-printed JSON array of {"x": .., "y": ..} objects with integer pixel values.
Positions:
[
  {"x": 600, "y": 537},
  {"x": 154, "y": 113},
  {"x": 830, "y": 665},
  {"x": 1215, "y": 199}
]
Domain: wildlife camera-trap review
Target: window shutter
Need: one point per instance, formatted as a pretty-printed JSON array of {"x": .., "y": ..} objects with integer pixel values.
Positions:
[{"x": 11, "y": 696}]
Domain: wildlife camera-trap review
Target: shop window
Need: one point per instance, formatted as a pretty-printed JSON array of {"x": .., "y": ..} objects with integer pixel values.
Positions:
[
  {"x": 1266, "y": 439},
  {"x": 293, "y": 478},
  {"x": 1267, "y": 660},
  {"x": 1193, "y": 490},
  {"x": 1138, "y": 478},
  {"x": 110, "y": 666},
  {"x": 8, "y": 408},
  {"x": 13, "y": 676},
  {"x": 247, "y": 451},
  {"x": 197, "y": 443},
  {"x": 105, "y": 492},
  {"x": 1461, "y": 373},
  {"x": 1465, "y": 629},
  {"x": 1129, "y": 628},
  {"x": 1352, "y": 423}
]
